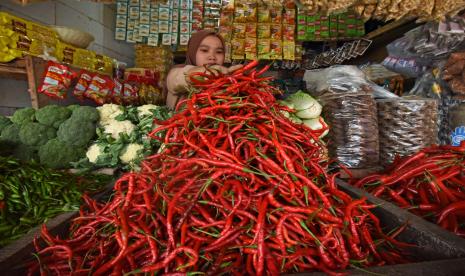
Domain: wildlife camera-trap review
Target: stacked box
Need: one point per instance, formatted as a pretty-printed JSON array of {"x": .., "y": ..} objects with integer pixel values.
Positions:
[{"x": 155, "y": 23}]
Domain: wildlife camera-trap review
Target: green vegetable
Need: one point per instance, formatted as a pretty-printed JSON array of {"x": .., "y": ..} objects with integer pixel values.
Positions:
[
  {"x": 86, "y": 113},
  {"x": 32, "y": 193},
  {"x": 23, "y": 115},
  {"x": 25, "y": 153},
  {"x": 312, "y": 112},
  {"x": 316, "y": 124},
  {"x": 4, "y": 122},
  {"x": 52, "y": 115},
  {"x": 35, "y": 134},
  {"x": 76, "y": 132},
  {"x": 58, "y": 155},
  {"x": 313, "y": 124},
  {"x": 10, "y": 134},
  {"x": 73, "y": 107},
  {"x": 302, "y": 101}
]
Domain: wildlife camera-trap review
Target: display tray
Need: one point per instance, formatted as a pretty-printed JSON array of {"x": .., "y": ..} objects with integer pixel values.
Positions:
[
  {"x": 437, "y": 252},
  {"x": 15, "y": 255}
]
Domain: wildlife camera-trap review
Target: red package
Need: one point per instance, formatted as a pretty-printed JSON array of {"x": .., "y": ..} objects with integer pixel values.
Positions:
[
  {"x": 83, "y": 83},
  {"x": 57, "y": 80},
  {"x": 117, "y": 93},
  {"x": 130, "y": 94},
  {"x": 99, "y": 89}
]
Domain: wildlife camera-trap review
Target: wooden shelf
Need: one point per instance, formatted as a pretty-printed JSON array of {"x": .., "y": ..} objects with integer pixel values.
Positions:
[
  {"x": 389, "y": 27},
  {"x": 30, "y": 69}
]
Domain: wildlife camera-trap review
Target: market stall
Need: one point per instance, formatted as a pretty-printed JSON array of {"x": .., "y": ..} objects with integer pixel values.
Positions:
[{"x": 337, "y": 146}]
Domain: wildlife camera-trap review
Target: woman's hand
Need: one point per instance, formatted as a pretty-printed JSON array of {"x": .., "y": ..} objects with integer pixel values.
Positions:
[{"x": 216, "y": 70}]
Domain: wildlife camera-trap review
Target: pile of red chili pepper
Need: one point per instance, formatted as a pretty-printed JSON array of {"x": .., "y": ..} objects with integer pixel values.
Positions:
[
  {"x": 430, "y": 184},
  {"x": 237, "y": 189}
]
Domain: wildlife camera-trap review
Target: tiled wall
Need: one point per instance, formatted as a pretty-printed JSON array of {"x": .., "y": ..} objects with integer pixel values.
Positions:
[{"x": 94, "y": 18}]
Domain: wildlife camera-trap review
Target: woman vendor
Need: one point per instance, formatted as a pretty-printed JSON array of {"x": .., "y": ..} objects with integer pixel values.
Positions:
[{"x": 204, "y": 49}]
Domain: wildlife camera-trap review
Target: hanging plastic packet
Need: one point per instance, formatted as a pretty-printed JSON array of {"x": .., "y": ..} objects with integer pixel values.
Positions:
[
  {"x": 57, "y": 80},
  {"x": 117, "y": 92},
  {"x": 99, "y": 89},
  {"x": 130, "y": 95},
  {"x": 83, "y": 83}
]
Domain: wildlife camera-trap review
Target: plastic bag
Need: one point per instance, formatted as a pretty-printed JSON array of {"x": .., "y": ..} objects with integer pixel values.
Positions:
[
  {"x": 57, "y": 80},
  {"x": 336, "y": 79},
  {"x": 99, "y": 89},
  {"x": 83, "y": 83}
]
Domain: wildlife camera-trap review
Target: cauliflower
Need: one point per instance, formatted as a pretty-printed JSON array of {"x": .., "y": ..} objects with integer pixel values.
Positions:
[
  {"x": 94, "y": 152},
  {"x": 115, "y": 128},
  {"x": 109, "y": 112},
  {"x": 145, "y": 110},
  {"x": 131, "y": 153}
]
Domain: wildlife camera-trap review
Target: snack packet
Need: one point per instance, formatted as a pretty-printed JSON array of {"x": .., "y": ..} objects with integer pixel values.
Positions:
[
  {"x": 57, "y": 80},
  {"x": 99, "y": 89},
  {"x": 83, "y": 83}
]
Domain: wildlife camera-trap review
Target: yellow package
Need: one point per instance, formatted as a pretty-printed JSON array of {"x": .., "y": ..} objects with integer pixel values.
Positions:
[
  {"x": 250, "y": 48},
  {"x": 239, "y": 30},
  {"x": 31, "y": 47},
  {"x": 7, "y": 55},
  {"x": 299, "y": 51},
  {"x": 250, "y": 45},
  {"x": 240, "y": 14},
  {"x": 288, "y": 32},
  {"x": 276, "y": 49},
  {"x": 65, "y": 52},
  {"x": 264, "y": 15},
  {"x": 237, "y": 51},
  {"x": 288, "y": 50},
  {"x": 226, "y": 32},
  {"x": 276, "y": 14},
  {"x": 276, "y": 31},
  {"x": 263, "y": 48},
  {"x": 19, "y": 24},
  {"x": 227, "y": 52},
  {"x": 264, "y": 31},
  {"x": 251, "y": 30},
  {"x": 104, "y": 64}
]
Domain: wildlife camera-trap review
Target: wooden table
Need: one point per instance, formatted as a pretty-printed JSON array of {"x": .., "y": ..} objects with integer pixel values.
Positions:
[{"x": 27, "y": 68}]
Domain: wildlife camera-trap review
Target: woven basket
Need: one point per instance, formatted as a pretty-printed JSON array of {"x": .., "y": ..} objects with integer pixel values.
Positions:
[
  {"x": 74, "y": 37},
  {"x": 406, "y": 125}
]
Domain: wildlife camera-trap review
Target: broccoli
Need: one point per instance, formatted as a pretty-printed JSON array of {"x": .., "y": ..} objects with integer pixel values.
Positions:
[
  {"x": 86, "y": 113},
  {"x": 73, "y": 107},
  {"x": 10, "y": 134},
  {"x": 4, "y": 122},
  {"x": 35, "y": 134},
  {"x": 58, "y": 155},
  {"x": 76, "y": 132},
  {"x": 53, "y": 115},
  {"x": 25, "y": 153},
  {"x": 23, "y": 115}
]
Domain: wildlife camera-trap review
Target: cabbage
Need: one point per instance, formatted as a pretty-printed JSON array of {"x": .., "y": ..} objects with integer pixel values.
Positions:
[
  {"x": 316, "y": 124},
  {"x": 311, "y": 112},
  {"x": 301, "y": 101},
  {"x": 313, "y": 124}
]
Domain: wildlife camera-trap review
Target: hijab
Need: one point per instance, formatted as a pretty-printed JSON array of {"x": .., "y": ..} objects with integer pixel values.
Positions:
[{"x": 194, "y": 44}]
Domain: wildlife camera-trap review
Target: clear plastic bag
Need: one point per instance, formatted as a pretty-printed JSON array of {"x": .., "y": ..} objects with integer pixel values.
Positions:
[
  {"x": 406, "y": 125},
  {"x": 353, "y": 129}
]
